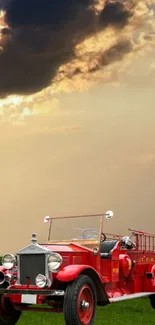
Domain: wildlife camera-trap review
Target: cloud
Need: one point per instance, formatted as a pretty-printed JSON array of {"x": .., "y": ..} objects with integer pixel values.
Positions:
[
  {"x": 41, "y": 36},
  {"x": 46, "y": 51}
]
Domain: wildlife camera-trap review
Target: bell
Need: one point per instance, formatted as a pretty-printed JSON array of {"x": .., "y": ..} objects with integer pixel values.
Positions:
[{"x": 34, "y": 238}]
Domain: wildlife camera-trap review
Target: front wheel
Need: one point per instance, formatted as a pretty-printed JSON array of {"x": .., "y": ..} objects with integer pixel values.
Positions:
[
  {"x": 8, "y": 314},
  {"x": 80, "y": 302}
]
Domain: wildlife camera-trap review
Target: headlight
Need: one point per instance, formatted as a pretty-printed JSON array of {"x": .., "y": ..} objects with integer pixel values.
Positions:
[
  {"x": 54, "y": 261},
  {"x": 41, "y": 281},
  {"x": 8, "y": 261}
]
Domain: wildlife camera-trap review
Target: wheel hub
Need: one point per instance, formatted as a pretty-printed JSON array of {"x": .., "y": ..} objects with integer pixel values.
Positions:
[{"x": 84, "y": 305}]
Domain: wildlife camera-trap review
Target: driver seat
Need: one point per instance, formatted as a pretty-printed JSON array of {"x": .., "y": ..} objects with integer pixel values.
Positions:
[{"x": 106, "y": 247}]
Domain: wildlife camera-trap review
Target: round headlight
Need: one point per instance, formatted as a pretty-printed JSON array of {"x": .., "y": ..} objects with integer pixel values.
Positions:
[
  {"x": 41, "y": 281},
  {"x": 8, "y": 261},
  {"x": 54, "y": 261}
]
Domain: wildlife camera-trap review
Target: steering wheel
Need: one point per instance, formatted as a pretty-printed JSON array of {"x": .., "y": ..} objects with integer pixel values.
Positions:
[
  {"x": 88, "y": 234},
  {"x": 103, "y": 237}
]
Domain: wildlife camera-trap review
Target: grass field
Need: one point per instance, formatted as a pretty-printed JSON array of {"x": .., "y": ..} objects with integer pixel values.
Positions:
[{"x": 132, "y": 312}]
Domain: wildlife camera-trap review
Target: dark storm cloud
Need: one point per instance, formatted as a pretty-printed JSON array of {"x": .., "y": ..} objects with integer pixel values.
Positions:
[
  {"x": 114, "y": 13},
  {"x": 41, "y": 36},
  {"x": 38, "y": 12}
]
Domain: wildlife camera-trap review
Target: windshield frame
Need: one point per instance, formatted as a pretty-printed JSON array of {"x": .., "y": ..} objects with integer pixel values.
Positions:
[{"x": 81, "y": 242}]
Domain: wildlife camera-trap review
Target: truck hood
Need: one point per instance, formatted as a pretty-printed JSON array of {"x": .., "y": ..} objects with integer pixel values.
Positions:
[{"x": 66, "y": 248}]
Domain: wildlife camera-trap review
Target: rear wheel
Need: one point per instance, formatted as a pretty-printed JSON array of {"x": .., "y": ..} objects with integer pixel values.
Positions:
[
  {"x": 80, "y": 302},
  {"x": 8, "y": 314}
]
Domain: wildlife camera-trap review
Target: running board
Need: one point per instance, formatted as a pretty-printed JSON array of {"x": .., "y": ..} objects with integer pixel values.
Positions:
[{"x": 131, "y": 296}]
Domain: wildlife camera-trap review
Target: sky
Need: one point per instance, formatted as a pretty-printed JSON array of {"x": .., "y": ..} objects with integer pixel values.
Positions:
[{"x": 76, "y": 115}]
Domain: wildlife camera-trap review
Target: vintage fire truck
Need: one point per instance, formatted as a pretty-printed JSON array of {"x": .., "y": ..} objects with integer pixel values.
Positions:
[{"x": 76, "y": 270}]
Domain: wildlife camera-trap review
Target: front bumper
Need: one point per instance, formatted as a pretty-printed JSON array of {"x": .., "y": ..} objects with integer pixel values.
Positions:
[
  {"x": 30, "y": 296},
  {"x": 42, "y": 292}
]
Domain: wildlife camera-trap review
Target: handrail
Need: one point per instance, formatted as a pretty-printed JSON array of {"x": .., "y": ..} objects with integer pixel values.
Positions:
[
  {"x": 141, "y": 240},
  {"x": 114, "y": 235},
  {"x": 144, "y": 233}
]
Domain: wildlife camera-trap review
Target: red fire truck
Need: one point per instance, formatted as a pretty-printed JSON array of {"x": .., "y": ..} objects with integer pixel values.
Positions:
[{"x": 76, "y": 270}]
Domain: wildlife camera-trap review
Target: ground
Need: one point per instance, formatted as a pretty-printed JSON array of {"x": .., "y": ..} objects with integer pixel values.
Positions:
[{"x": 131, "y": 312}]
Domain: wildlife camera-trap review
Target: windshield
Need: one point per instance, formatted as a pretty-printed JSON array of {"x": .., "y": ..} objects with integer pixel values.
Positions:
[{"x": 82, "y": 230}]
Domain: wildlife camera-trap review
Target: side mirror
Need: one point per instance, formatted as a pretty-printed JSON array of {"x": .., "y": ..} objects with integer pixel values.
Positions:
[
  {"x": 109, "y": 214},
  {"x": 46, "y": 219}
]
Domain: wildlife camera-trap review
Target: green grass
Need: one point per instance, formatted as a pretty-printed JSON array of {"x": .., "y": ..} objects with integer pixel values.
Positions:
[{"x": 132, "y": 312}]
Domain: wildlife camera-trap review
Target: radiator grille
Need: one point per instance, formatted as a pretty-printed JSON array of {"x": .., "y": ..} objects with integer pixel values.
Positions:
[{"x": 30, "y": 265}]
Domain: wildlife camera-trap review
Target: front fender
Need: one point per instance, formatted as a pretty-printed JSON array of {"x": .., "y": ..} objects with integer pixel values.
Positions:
[
  {"x": 71, "y": 272},
  {"x": 2, "y": 269}
]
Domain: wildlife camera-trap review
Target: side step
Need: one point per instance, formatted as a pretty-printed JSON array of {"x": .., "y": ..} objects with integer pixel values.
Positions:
[{"x": 131, "y": 296}]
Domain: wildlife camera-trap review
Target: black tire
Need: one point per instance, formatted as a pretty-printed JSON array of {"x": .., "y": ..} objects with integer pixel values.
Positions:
[
  {"x": 152, "y": 301},
  {"x": 8, "y": 314},
  {"x": 74, "y": 314}
]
